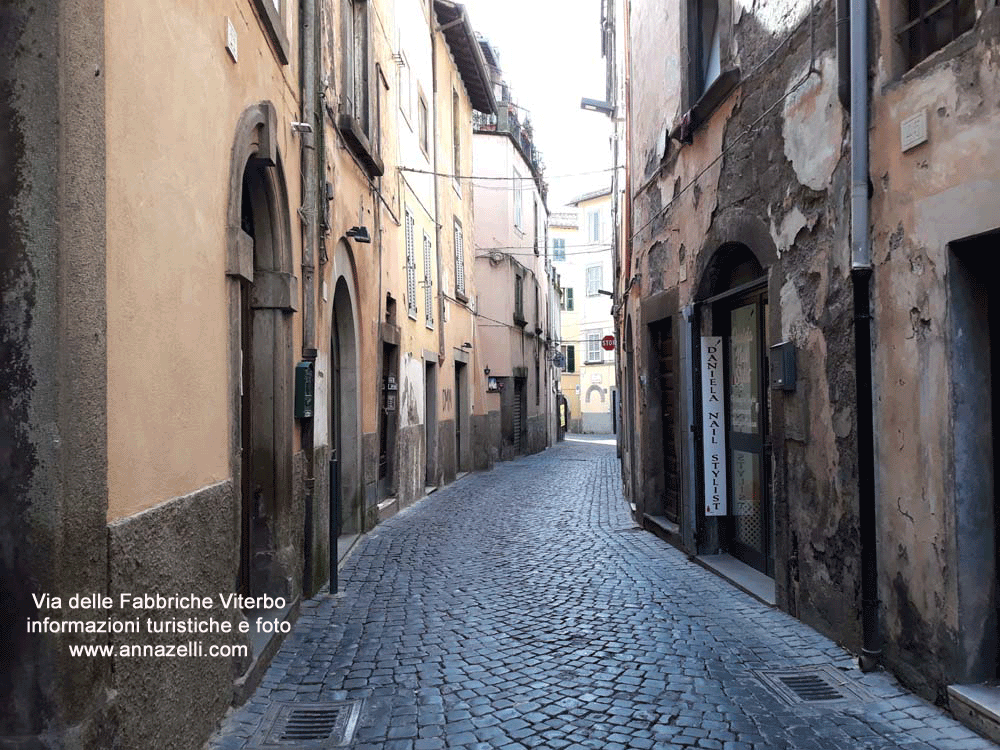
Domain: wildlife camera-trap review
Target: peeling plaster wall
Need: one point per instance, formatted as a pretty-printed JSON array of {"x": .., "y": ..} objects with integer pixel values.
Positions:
[
  {"x": 781, "y": 188},
  {"x": 941, "y": 191}
]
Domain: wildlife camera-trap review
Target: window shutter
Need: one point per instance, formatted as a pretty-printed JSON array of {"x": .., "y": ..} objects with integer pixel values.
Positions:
[
  {"x": 459, "y": 259},
  {"x": 571, "y": 359},
  {"x": 428, "y": 284},
  {"x": 411, "y": 268}
]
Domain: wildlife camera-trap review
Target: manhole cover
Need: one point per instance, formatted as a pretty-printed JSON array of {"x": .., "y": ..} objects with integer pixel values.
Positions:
[
  {"x": 813, "y": 686},
  {"x": 308, "y": 725}
]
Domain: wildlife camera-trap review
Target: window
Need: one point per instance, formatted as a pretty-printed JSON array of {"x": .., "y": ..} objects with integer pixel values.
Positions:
[
  {"x": 519, "y": 299},
  {"x": 569, "y": 358},
  {"x": 356, "y": 105},
  {"x": 428, "y": 284},
  {"x": 456, "y": 117},
  {"x": 559, "y": 249},
  {"x": 594, "y": 280},
  {"x": 567, "y": 299},
  {"x": 594, "y": 226},
  {"x": 459, "y": 260},
  {"x": 356, "y": 68},
  {"x": 534, "y": 222},
  {"x": 594, "y": 347},
  {"x": 271, "y": 15},
  {"x": 422, "y": 129},
  {"x": 518, "y": 219},
  {"x": 931, "y": 24},
  {"x": 411, "y": 268},
  {"x": 705, "y": 61}
]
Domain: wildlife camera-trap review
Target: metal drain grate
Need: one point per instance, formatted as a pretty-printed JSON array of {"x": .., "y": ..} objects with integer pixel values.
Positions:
[
  {"x": 813, "y": 686},
  {"x": 810, "y": 687},
  {"x": 308, "y": 725}
]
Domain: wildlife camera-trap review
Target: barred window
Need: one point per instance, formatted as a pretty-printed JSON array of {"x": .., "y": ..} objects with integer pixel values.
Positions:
[
  {"x": 931, "y": 24},
  {"x": 459, "y": 259},
  {"x": 411, "y": 268},
  {"x": 428, "y": 284}
]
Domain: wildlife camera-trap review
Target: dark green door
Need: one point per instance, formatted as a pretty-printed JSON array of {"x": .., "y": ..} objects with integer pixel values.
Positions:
[{"x": 750, "y": 527}]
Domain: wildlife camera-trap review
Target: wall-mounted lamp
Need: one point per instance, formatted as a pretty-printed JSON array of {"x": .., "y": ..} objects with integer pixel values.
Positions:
[
  {"x": 486, "y": 372},
  {"x": 467, "y": 345},
  {"x": 302, "y": 127},
  {"x": 359, "y": 234},
  {"x": 596, "y": 105}
]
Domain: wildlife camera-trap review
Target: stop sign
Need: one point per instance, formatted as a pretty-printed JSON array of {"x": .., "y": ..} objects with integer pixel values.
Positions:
[{"x": 608, "y": 342}]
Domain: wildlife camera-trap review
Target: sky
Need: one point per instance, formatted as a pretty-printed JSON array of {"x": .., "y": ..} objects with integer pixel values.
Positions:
[{"x": 550, "y": 53}]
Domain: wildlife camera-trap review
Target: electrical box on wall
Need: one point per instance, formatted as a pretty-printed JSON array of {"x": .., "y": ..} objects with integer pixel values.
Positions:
[
  {"x": 783, "y": 366},
  {"x": 304, "y": 390}
]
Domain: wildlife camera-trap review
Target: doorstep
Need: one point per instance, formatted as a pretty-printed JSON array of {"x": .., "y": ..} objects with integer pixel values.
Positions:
[
  {"x": 667, "y": 530},
  {"x": 741, "y": 575},
  {"x": 978, "y": 707}
]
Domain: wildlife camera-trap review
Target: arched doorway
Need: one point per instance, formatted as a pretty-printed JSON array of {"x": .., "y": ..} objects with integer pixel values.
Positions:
[
  {"x": 345, "y": 414},
  {"x": 262, "y": 300},
  {"x": 736, "y": 309}
]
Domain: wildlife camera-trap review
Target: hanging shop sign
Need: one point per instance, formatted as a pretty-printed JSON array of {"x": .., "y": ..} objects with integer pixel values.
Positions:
[{"x": 713, "y": 425}]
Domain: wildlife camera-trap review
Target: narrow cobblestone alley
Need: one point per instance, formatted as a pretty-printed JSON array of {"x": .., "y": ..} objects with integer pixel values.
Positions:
[{"x": 522, "y": 608}]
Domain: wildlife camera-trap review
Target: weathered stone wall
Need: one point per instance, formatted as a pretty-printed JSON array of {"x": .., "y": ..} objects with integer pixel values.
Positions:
[
  {"x": 536, "y": 434},
  {"x": 447, "y": 457},
  {"x": 485, "y": 440},
  {"x": 184, "y": 546},
  {"x": 938, "y": 570},
  {"x": 768, "y": 169},
  {"x": 410, "y": 460},
  {"x": 53, "y": 427}
]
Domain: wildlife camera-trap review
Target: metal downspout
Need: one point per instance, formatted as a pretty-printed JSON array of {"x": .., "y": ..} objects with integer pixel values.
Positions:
[
  {"x": 437, "y": 210},
  {"x": 861, "y": 273},
  {"x": 309, "y": 216}
]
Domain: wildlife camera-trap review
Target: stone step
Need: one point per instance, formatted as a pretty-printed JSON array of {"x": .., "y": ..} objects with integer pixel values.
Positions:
[{"x": 978, "y": 707}]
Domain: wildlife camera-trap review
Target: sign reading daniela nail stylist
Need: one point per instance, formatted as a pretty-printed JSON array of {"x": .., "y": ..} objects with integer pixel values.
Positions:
[{"x": 713, "y": 425}]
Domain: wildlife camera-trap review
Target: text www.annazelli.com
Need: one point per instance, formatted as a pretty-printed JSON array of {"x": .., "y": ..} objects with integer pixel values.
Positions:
[{"x": 162, "y": 650}]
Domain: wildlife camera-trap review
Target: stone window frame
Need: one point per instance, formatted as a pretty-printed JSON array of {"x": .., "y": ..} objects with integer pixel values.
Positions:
[
  {"x": 272, "y": 16},
  {"x": 356, "y": 118}
]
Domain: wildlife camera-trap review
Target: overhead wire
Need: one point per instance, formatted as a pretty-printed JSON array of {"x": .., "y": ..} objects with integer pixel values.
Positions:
[
  {"x": 489, "y": 178},
  {"x": 660, "y": 212}
]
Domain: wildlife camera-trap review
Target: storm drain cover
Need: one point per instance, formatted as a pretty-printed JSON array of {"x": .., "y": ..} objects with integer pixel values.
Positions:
[
  {"x": 815, "y": 686},
  {"x": 308, "y": 725}
]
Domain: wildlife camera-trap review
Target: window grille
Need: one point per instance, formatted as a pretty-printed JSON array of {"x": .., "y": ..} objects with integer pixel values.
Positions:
[{"x": 931, "y": 24}]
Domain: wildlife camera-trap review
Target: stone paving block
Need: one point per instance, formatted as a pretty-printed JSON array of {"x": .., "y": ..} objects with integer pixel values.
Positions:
[{"x": 511, "y": 610}]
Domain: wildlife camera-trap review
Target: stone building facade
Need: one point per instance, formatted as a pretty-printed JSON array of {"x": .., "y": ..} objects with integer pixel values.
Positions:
[
  {"x": 206, "y": 299},
  {"x": 738, "y": 261}
]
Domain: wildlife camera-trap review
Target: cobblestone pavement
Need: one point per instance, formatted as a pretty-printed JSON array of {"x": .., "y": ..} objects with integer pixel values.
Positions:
[{"x": 521, "y": 608}]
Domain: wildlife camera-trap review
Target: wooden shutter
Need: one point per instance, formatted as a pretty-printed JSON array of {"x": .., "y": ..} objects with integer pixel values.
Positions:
[
  {"x": 411, "y": 268},
  {"x": 428, "y": 284},
  {"x": 459, "y": 259}
]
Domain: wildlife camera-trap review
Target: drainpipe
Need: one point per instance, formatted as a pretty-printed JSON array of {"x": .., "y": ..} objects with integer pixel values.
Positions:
[
  {"x": 861, "y": 273},
  {"x": 309, "y": 215},
  {"x": 434, "y": 28}
]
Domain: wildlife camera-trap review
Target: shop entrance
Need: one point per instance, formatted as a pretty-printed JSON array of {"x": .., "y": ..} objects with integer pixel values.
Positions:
[{"x": 737, "y": 311}]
